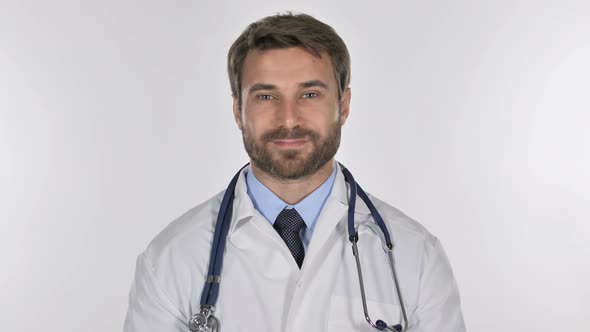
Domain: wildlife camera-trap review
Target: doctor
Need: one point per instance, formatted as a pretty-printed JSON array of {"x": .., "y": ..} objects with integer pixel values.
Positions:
[{"x": 288, "y": 263}]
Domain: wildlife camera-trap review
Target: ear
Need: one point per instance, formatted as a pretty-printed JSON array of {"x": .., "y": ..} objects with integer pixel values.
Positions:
[
  {"x": 237, "y": 113},
  {"x": 345, "y": 106}
]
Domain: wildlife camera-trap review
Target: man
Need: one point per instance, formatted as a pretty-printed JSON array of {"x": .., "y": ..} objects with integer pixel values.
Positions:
[{"x": 287, "y": 264}]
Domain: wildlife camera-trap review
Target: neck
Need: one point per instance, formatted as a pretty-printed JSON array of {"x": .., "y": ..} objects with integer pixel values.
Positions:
[{"x": 294, "y": 191}]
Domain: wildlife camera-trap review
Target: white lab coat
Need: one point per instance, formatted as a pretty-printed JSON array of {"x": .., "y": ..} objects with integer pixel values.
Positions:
[{"x": 263, "y": 290}]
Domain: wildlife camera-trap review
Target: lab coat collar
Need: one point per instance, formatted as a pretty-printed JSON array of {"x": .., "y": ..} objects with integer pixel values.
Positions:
[
  {"x": 341, "y": 191},
  {"x": 244, "y": 210}
]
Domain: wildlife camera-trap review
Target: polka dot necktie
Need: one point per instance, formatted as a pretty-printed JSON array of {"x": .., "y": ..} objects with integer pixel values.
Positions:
[{"x": 288, "y": 224}]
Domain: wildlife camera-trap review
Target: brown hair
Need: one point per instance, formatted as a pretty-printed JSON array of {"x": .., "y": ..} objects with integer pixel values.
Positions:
[{"x": 289, "y": 30}]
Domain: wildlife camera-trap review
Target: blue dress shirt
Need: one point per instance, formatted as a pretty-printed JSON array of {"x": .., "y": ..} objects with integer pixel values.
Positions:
[{"x": 270, "y": 205}]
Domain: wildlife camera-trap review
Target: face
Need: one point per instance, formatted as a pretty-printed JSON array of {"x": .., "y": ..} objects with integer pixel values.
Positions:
[{"x": 290, "y": 115}]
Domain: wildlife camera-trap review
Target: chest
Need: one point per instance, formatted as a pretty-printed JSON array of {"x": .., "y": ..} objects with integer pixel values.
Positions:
[{"x": 262, "y": 289}]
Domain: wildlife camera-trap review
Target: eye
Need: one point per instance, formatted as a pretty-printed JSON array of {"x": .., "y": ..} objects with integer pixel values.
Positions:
[
  {"x": 308, "y": 95},
  {"x": 264, "y": 97}
]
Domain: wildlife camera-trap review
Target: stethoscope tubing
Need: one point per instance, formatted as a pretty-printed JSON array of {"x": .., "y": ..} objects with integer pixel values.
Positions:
[
  {"x": 211, "y": 288},
  {"x": 355, "y": 189}
]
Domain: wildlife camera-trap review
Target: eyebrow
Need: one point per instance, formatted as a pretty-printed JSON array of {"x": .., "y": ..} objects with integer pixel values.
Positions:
[
  {"x": 307, "y": 84},
  {"x": 262, "y": 86},
  {"x": 314, "y": 83}
]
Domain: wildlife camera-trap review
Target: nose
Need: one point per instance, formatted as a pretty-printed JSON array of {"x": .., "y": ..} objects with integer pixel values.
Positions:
[{"x": 288, "y": 114}]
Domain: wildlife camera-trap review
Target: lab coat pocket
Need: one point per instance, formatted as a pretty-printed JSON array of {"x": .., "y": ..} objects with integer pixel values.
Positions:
[{"x": 346, "y": 314}]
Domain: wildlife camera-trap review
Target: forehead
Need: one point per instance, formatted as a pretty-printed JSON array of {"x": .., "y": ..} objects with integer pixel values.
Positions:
[{"x": 286, "y": 66}]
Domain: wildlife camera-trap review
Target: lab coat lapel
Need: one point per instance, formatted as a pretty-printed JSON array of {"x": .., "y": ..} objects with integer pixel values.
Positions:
[
  {"x": 249, "y": 230},
  {"x": 334, "y": 211}
]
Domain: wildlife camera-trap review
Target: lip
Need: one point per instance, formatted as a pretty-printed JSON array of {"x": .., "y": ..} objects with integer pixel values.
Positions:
[{"x": 290, "y": 143}]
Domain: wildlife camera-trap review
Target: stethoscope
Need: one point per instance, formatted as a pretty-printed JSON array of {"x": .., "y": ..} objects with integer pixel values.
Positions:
[{"x": 205, "y": 320}]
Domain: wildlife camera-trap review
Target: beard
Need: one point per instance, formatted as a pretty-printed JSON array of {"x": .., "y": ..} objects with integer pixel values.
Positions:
[{"x": 292, "y": 164}]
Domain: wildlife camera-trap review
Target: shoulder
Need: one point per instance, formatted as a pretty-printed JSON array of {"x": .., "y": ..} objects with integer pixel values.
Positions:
[
  {"x": 400, "y": 224},
  {"x": 186, "y": 233},
  {"x": 176, "y": 259}
]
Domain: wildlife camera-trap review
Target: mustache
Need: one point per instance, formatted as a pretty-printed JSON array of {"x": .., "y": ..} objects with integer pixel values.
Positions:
[{"x": 284, "y": 133}]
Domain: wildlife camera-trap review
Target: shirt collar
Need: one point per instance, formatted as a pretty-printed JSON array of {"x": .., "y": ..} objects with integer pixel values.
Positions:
[
  {"x": 243, "y": 208},
  {"x": 270, "y": 205}
]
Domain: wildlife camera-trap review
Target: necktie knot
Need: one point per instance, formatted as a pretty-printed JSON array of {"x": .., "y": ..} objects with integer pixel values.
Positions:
[
  {"x": 288, "y": 224},
  {"x": 289, "y": 220}
]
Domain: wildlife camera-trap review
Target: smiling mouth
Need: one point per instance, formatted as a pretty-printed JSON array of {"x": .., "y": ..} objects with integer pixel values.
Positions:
[{"x": 291, "y": 143}]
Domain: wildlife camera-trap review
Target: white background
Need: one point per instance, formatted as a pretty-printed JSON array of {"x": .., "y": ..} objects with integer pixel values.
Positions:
[{"x": 470, "y": 116}]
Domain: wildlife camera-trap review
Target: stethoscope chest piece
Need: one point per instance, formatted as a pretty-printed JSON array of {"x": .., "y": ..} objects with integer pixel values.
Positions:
[{"x": 204, "y": 321}]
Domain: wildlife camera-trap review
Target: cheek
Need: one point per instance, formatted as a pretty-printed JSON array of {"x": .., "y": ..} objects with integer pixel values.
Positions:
[
  {"x": 328, "y": 119},
  {"x": 256, "y": 121},
  {"x": 253, "y": 127}
]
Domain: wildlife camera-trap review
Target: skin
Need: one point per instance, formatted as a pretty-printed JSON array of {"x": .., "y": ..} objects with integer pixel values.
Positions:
[{"x": 288, "y": 90}]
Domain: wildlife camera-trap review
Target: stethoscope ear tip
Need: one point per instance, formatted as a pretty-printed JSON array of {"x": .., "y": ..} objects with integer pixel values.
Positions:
[{"x": 381, "y": 325}]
